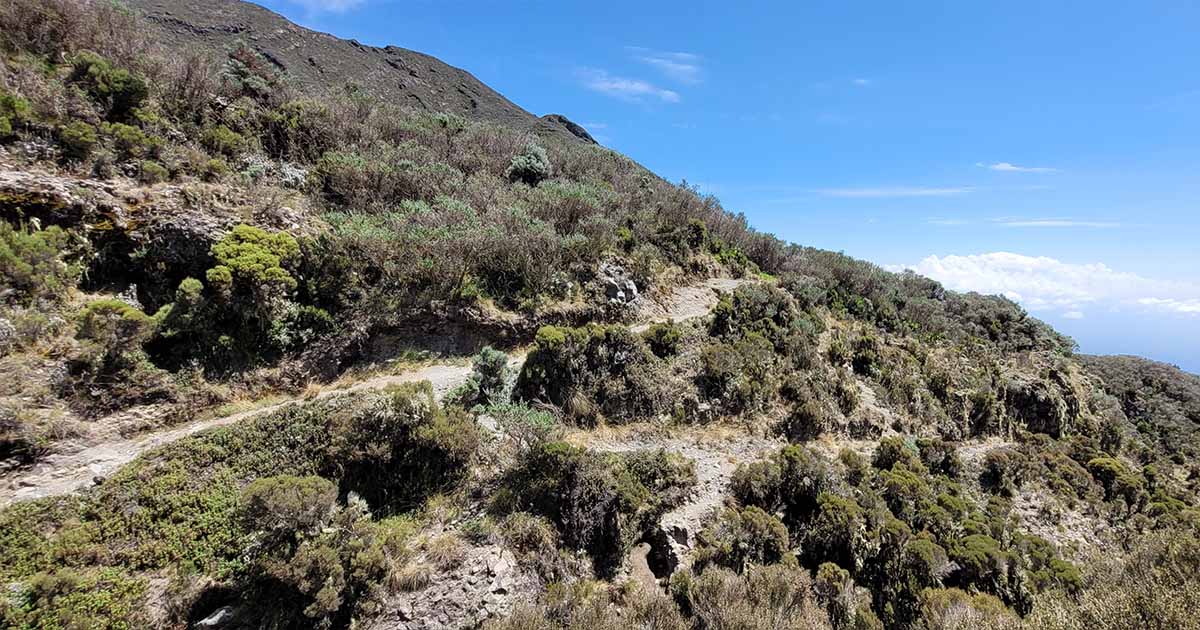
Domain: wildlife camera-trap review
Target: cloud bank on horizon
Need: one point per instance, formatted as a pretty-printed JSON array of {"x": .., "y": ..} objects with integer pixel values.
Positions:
[{"x": 1042, "y": 283}]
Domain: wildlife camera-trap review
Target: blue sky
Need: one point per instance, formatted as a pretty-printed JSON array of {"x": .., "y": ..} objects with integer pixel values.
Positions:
[{"x": 1045, "y": 150}]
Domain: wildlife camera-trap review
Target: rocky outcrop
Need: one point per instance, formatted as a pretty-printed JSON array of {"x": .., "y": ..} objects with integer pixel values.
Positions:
[
  {"x": 576, "y": 129},
  {"x": 617, "y": 283},
  {"x": 484, "y": 585}
]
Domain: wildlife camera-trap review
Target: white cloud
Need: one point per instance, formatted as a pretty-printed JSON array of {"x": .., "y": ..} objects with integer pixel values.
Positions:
[
  {"x": 683, "y": 67},
  {"x": 635, "y": 90},
  {"x": 328, "y": 6},
  {"x": 898, "y": 191},
  {"x": 1006, "y": 167},
  {"x": 1046, "y": 284},
  {"x": 861, "y": 82}
]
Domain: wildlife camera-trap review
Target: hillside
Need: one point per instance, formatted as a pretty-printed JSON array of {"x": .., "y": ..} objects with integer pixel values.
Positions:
[
  {"x": 279, "y": 354},
  {"x": 316, "y": 63}
]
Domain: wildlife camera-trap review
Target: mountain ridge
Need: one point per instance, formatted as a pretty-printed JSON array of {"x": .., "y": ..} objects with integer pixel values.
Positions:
[{"x": 316, "y": 62}]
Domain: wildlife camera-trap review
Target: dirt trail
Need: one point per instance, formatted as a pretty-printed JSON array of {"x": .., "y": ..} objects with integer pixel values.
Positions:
[{"x": 61, "y": 473}]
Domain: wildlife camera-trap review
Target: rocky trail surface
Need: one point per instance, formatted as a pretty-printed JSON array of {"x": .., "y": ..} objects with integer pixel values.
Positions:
[{"x": 62, "y": 473}]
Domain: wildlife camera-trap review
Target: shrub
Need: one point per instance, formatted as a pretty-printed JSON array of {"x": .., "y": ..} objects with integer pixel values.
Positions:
[
  {"x": 774, "y": 597},
  {"x": 600, "y": 504},
  {"x": 530, "y": 166},
  {"x": 223, "y": 140},
  {"x": 739, "y": 376},
  {"x": 490, "y": 373},
  {"x": 401, "y": 448},
  {"x": 14, "y": 112},
  {"x": 129, "y": 141},
  {"x": 896, "y": 450},
  {"x": 951, "y": 609},
  {"x": 150, "y": 172},
  {"x": 790, "y": 481},
  {"x": 116, "y": 90},
  {"x": 33, "y": 265},
  {"x": 608, "y": 366},
  {"x": 1005, "y": 470},
  {"x": 741, "y": 537},
  {"x": 78, "y": 139},
  {"x": 1119, "y": 482},
  {"x": 838, "y": 533},
  {"x": 286, "y": 505},
  {"x": 116, "y": 326},
  {"x": 525, "y": 426},
  {"x": 106, "y": 599},
  {"x": 663, "y": 339}
]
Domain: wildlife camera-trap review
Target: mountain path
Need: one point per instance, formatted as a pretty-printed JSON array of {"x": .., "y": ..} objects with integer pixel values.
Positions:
[{"x": 63, "y": 473}]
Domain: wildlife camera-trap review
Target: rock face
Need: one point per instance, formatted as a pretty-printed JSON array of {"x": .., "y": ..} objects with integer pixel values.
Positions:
[
  {"x": 316, "y": 62},
  {"x": 485, "y": 585},
  {"x": 576, "y": 129},
  {"x": 618, "y": 284}
]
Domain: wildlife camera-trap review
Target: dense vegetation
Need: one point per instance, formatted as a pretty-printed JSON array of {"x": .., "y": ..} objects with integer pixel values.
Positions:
[{"x": 225, "y": 235}]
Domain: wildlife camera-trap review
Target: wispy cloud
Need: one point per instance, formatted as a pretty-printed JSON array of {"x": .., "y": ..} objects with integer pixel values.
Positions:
[
  {"x": 1007, "y": 167},
  {"x": 1057, "y": 223},
  {"x": 633, "y": 90},
  {"x": 683, "y": 67},
  {"x": 861, "y": 82},
  {"x": 943, "y": 221},
  {"x": 1042, "y": 283},
  {"x": 892, "y": 192},
  {"x": 328, "y": 6}
]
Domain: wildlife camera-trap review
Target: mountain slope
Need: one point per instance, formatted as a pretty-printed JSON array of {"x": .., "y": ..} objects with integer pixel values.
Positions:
[
  {"x": 317, "y": 62},
  {"x": 824, "y": 444}
]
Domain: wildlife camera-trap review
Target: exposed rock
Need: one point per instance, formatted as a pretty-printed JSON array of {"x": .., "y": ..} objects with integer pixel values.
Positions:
[
  {"x": 221, "y": 618},
  {"x": 486, "y": 584},
  {"x": 618, "y": 286},
  {"x": 576, "y": 129}
]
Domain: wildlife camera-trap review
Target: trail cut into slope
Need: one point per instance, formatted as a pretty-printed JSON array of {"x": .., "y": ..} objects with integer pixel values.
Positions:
[{"x": 62, "y": 473}]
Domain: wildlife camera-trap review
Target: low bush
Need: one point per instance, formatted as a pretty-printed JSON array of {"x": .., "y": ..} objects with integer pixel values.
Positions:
[
  {"x": 35, "y": 264},
  {"x": 116, "y": 90},
  {"x": 600, "y": 504},
  {"x": 530, "y": 166},
  {"x": 592, "y": 373},
  {"x": 740, "y": 538}
]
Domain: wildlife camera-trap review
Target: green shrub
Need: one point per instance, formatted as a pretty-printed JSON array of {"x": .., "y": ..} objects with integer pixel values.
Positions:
[
  {"x": 129, "y": 141},
  {"x": 896, "y": 450},
  {"x": 789, "y": 482},
  {"x": 33, "y": 264},
  {"x": 115, "y": 325},
  {"x": 151, "y": 172},
  {"x": 600, "y": 504},
  {"x": 530, "y": 166},
  {"x": 223, "y": 140},
  {"x": 78, "y": 139},
  {"x": 741, "y": 537},
  {"x": 116, "y": 90},
  {"x": 739, "y": 376},
  {"x": 68, "y": 598},
  {"x": 14, "y": 112},
  {"x": 838, "y": 533},
  {"x": 1119, "y": 482},
  {"x": 286, "y": 505},
  {"x": 592, "y": 372},
  {"x": 663, "y": 339},
  {"x": 488, "y": 382}
]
